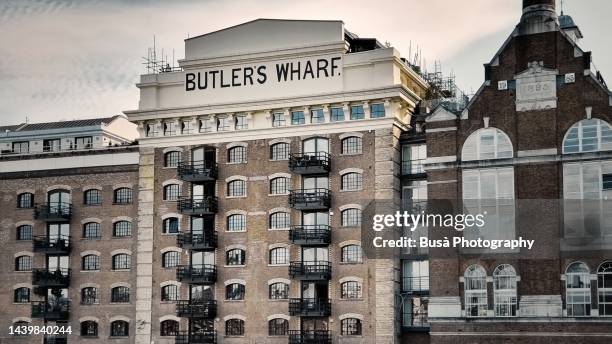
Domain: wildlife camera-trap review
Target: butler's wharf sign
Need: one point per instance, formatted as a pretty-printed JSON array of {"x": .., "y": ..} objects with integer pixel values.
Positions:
[{"x": 251, "y": 75}]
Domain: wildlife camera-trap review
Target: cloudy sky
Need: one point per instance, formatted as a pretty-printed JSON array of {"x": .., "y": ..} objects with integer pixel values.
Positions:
[{"x": 67, "y": 59}]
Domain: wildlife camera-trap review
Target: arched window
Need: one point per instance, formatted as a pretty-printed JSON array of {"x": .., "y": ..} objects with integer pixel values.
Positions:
[
  {"x": 475, "y": 285},
  {"x": 120, "y": 294},
  {"x": 279, "y": 256},
  {"x": 92, "y": 197},
  {"x": 235, "y": 291},
  {"x": 21, "y": 295},
  {"x": 234, "y": 327},
  {"x": 279, "y": 220},
  {"x": 120, "y": 328},
  {"x": 236, "y": 155},
  {"x": 122, "y": 261},
  {"x": 25, "y": 200},
  {"x": 170, "y": 292},
  {"x": 352, "y": 181},
  {"x": 170, "y": 225},
  {"x": 589, "y": 135},
  {"x": 235, "y": 257},
  {"x": 171, "y": 259},
  {"x": 122, "y": 229},
  {"x": 578, "y": 290},
  {"x": 278, "y": 327},
  {"x": 122, "y": 196},
  {"x": 351, "y": 290},
  {"x": 24, "y": 232},
  {"x": 236, "y": 188},
  {"x": 485, "y": 144},
  {"x": 23, "y": 263},
  {"x": 350, "y": 327},
  {"x": 279, "y": 151},
  {"x": 351, "y": 217},
  {"x": 236, "y": 223},
  {"x": 91, "y": 230},
  {"x": 604, "y": 288},
  {"x": 172, "y": 159},
  {"x": 279, "y": 186},
  {"x": 90, "y": 262},
  {"x": 504, "y": 291},
  {"x": 352, "y": 145},
  {"x": 89, "y": 329},
  {"x": 278, "y": 291},
  {"x": 168, "y": 328},
  {"x": 172, "y": 192},
  {"x": 90, "y": 296},
  {"x": 352, "y": 254},
  {"x": 315, "y": 145}
]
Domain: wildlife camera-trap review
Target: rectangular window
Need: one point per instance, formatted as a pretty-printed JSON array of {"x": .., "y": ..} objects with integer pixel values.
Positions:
[
  {"x": 357, "y": 112},
  {"x": 21, "y": 147},
  {"x": 377, "y": 110},
  {"x": 223, "y": 124},
  {"x": 241, "y": 123},
  {"x": 413, "y": 158},
  {"x": 337, "y": 114},
  {"x": 151, "y": 130},
  {"x": 53, "y": 145},
  {"x": 297, "y": 117},
  {"x": 415, "y": 311},
  {"x": 278, "y": 119},
  {"x": 205, "y": 126},
  {"x": 317, "y": 116},
  {"x": 169, "y": 129},
  {"x": 415, "y": 276},
  {"x": 85, "y": 142},
  {"x": 187, "y": 129},
  {"x": 607, "y": 181}
]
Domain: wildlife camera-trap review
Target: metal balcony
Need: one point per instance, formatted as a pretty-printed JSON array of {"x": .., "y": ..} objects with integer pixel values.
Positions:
[
  {"x": 310, "y": 307},
  {"x": 198, "y": 171},
  {"x": 48, "y": 311},
  {"x": 310, "y": 337},
  {"x": 310, "y": 234},
  {"x": 310, "y": 163},
  {"x": 54, "y": 245},
  {"x": 198, "y": 241},
  {"x": 207, "y": 337},
  {"x": 196, "y": 309},
  {"x": 197, "y": 274},
  {"x": 310, "y": 199},
  {"x": 312, "y": 271},
  {"x": 198, "y": 206},
  {"x": 56, "y": 339},
  {"x": 415, "y": 285},
  {"x": 53, "y": 212},
  {"x": 58, "y": 278}
]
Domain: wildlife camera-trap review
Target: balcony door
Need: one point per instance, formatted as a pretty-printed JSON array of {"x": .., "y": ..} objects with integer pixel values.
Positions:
[
  {"x": 314, "y": 255},
  {"x": 200, "y": 191},
  {"x": 199, "y": 326},
  {"x": 202, "y": 224},
  {"x": 318, "y": 182},
  {"x": 58, "y": 200},
  {"x": 58, "y": 231},
  {"x": 315, "y": 145},
  {"x": 201, "y": 293},
  {"x": 313, "y": 324},
  {"x": 202, "y": 155},
  {"x": 56, "y": 298},
  {"x": 315, "y": 290},
  {"x": 316, "y": 219},
  {"x": 55, "y": 263},
  {"x": 202, "y": 258}
]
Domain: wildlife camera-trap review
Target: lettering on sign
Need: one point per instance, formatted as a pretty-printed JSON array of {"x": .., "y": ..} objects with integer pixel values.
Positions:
[
  {"x": 280, "y": 72},
  {"x": 536, "y": 88}
]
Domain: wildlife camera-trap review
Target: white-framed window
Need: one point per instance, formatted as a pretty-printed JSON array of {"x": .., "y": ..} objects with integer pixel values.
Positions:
[
  {"x": 279, "y": 256},
  {"x": 504, "y": 291},
  {"x": 236, "y": 155},
  {"x": 236, "y": 223},
  {"x": 236, "y": 188},
  {"x": 205, "y": 126},
  {"x": 351, "y": 217},
  {"x": 490, "y": 192},
  {"x": 604, "y": 289},
  {"x": 279, "y": 186},
  {"x": 242, "y": 122},
  {"x": 413, "y": 158},
  {"x": 279, "y": 220},
  {"x": 186, "y": 128},
  {"x": 172, "y": 192},
  {"x": 352, "y": 181},
  {"x": 351, "y": 290},
  {"x": 279, "y": 151},
  {"x": 485, "y": 144},
  {"x": 279, "y": 119},
  {"x": 475, "y": 289},
  {"x": 151, "y": 130},
  {"x": 169, "y": 129},
  {"x": 578, "y": 290},
  {"x": 588, "y": 135},
  {"x": 223, "y": 124},
  {"x": 352, "y": 145}
]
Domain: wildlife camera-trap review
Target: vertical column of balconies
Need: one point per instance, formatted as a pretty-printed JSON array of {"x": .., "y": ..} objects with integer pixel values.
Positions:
[
  {"x": 46, "y": 280},
  {"x": 206, "y": 241},
  {"x": 317, "y": 235}
]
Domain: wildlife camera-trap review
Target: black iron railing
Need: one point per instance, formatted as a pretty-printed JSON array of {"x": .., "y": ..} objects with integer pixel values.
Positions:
[
  {"x": 51, "y": 277},
  {"x": 310, "y": 337},
  {"x": 53, "y": 212},
  {"x": 197, "y": 274},
  {"x": 58, "y": 245},
  {"x": 418, "y": 284},
  {"x": 310, "y": 162},
  {"x": 51, "y": 311},
  {"x": 198, "y": 241},
  {"x": 205, "y": 337},
  {"x": 310, "y": 199},
  {"x": 207, "y": 205},
  {"x": 310, "y": 234},
  {"x": 309, "y": 307},
  {"x": 196, "y": 308},
  {"x": 310, "y": 270},
  {"x": 198, "y": 171}
]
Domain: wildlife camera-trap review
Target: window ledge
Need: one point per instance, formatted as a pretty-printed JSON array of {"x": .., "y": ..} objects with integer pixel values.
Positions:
[
  {"x": 273, "y": 160},
  {"x": 358, "y": 300},
  {"x": 278, "y": 300},
  {"x": 236, "y": 163},
  {"x": 279, "y": 229},
  {"x": 170, "y": 234},
  {"x": 121, "y": 270},
  {"x": 121, "y": 237},
  {"x": 231, "y": 197},
  {"x": 234, "y": 266},
  {"x": 350, "y": 263},
  {"x": 350, "y": 154},
  {"x": 119, "y": 303},
  {"x": 237, "y": 301},
  {"x": 356, "y": 190},
  {"x": 275, "y": 265},
  {"x": 244, "y": 231},
  {"x": 281, "y": 194},
  {"x": 92, "y": 205},
  {"x": 86, "y": 271}
]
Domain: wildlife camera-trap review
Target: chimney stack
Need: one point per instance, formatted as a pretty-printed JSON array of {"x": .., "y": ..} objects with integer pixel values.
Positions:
[{"x": 531, "y": 6}]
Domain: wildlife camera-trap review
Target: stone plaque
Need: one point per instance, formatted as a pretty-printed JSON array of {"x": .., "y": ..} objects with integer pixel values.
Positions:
[{"x": 536, "y": 88}]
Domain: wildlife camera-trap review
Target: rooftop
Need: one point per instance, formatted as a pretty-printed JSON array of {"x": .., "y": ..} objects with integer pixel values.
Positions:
[{"x": 58, "y": 125}]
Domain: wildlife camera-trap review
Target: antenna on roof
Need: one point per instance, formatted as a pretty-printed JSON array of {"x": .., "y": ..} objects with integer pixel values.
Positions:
[
  {"x": 562, "y": 4},
  {"x": 27, "y": 120}
]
